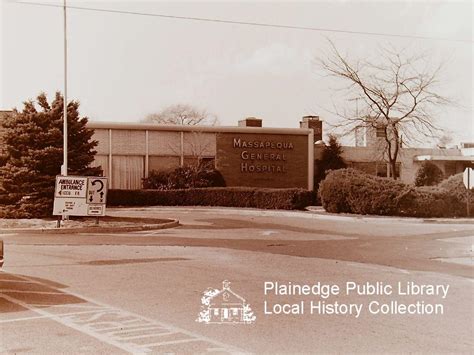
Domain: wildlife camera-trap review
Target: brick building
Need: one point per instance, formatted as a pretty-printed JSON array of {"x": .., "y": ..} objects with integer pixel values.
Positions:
[{"x": 249, "y": 154}]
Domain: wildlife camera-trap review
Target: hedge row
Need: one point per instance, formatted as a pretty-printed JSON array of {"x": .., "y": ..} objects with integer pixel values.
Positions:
[
  {"x": 286, "y": 199},
  {"x": 352, "y": 191}
]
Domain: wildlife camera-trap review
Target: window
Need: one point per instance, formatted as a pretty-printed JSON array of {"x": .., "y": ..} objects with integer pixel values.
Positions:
[{"x": 380, "y": 132}]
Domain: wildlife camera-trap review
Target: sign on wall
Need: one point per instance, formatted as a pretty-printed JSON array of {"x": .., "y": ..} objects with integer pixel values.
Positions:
[
  {"x": 264, "y": 160},
  {"x": 80, "y": 196}
]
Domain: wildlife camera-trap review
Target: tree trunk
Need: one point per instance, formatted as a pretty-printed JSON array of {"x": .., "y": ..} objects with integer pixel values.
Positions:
[{"x": 393, "y": 169}]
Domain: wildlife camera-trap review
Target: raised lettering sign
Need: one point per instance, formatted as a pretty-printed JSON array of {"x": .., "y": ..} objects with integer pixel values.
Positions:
[{"x": 264, "y": 160}]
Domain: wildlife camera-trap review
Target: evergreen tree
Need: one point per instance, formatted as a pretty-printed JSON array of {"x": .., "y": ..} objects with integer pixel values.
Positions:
[
  {"x": 33, "y": 141},
  {"x": 330, "y": 160},
  {"x": 428, "y": 174}
]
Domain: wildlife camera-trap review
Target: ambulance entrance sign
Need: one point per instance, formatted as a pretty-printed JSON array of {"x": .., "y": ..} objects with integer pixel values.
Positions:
[{"x": 80, "y": 196}]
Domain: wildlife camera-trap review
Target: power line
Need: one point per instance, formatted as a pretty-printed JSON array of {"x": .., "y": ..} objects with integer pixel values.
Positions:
[{"x": 245, "y": 23}]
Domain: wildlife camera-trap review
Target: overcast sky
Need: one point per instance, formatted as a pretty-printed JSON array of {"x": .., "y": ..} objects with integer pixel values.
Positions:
[{"x": 123, "y": 67}]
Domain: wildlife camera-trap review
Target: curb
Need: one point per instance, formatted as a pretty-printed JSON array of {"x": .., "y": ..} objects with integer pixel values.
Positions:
[
  {"x": 440, "y": 220},
  {"x": 171, "y": 224}
]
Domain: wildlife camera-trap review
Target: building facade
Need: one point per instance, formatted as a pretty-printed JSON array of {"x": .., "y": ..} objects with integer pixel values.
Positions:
[
  {"x": 246, "y": 155},
  {"x": 249, "y": 154}
]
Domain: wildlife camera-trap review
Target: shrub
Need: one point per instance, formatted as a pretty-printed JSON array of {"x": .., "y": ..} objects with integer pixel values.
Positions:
[
  {"x": 156, "y": 180},
  {"x": 352, "y": 191},
  {"x": 455, "y": 186},
  {"x": 428, "y": 174},
  {"x": 209, "y": 177},
  {"x": 218, "y": 196},
  {"x": 184, "y": 177}
]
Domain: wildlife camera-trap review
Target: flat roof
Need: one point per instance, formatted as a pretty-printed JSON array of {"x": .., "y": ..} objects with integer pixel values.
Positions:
[
  {"x": 444, "y": 158},
  {"x": 205, "y": 129}
]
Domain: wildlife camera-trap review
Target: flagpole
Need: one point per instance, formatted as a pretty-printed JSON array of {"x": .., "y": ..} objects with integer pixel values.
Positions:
[{"x": 64, "y": 167}]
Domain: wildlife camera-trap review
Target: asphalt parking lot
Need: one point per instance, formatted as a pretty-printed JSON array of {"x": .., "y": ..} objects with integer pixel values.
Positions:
[{"x": 140, "y": 292}]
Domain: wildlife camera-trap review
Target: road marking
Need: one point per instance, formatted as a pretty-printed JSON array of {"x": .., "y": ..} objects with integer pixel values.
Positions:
[
  {"x": 83, "y": 330},
  {"x": 130, "y": 325},
  {"x": 37, "y": 317},
  {"x": 171, "y": 342},
  {"x": 146, "y": 336},
  {"x": 90, "y": 306}
]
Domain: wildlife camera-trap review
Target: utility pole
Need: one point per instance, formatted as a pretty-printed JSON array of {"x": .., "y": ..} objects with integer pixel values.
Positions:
[{"x": 64, "y": 167}]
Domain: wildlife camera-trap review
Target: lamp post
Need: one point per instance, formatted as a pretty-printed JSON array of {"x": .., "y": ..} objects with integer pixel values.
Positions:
[{"x": 64, "y": 166}]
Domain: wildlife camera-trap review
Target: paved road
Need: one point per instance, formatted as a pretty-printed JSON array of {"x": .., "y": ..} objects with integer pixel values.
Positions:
[{"x": 141, "y": 292}]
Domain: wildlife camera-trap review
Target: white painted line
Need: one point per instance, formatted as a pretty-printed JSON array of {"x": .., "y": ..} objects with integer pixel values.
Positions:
[
  {"x": 89, "y": 306},
  {"x": 38, "y": 317},
  {"x": 171, "y": 342},
  {"x": 148, "y": 335},
  {"x": 109, "y": 338},
  {"x": 123, "y": 346}
]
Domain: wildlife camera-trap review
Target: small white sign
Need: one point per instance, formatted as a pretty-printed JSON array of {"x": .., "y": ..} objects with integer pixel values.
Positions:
[
  {"x": 95, "y": 210},
  {"x": 71, "y": 186},
  {"x": 66, "y": 206},
  {"x": 97, "y": 190},
  {"x": 468, "y": 178},
  {"x": 80, "y": 196}
]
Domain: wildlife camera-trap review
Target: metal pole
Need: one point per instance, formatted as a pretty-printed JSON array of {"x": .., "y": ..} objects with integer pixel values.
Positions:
[
  {"x": 64, "y": 172},
  {"x": 468, "y": 197}
]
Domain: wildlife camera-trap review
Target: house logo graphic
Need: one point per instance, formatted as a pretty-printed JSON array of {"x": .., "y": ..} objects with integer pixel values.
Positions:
[{"x": 224, "y": 307}]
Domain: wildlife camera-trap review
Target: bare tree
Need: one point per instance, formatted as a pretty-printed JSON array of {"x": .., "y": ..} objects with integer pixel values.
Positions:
[
  {"x": 444, "y": 141},
  {"x": 395, "y": 96},
  {"x": 181, "y": 114}
]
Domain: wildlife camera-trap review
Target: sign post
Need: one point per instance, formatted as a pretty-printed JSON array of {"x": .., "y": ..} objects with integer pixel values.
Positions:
[
  {"x": 468, "y": 180},
  {"x": 80, "y": 196}
]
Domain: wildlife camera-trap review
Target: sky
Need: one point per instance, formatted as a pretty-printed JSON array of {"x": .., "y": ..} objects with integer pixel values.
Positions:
[{"x": 122, "y": 67}]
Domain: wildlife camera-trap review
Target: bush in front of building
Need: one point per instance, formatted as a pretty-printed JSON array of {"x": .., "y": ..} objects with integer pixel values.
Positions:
[
  {"x": 185, "y": 177},
  {"x": 158, "y": 180},
  {"x": 286, "y": 199},
  {"x": 428, "y": 174},
  {"x": 352, "y": 191},
  {"x": 455, "y": 187}
]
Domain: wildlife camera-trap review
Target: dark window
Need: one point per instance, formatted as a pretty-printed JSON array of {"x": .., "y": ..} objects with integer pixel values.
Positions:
[{"x": 380, "y": 132}]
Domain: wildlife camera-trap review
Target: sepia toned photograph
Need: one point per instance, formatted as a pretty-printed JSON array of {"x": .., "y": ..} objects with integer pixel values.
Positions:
[{"x": 236, "y": 177}]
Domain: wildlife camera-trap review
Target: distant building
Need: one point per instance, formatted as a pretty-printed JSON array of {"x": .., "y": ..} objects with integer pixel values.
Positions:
[{"x": 367, "y": 155}]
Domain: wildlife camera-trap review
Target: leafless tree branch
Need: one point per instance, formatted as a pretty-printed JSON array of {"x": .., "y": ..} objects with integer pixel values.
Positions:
[{"x": 397, "y": 95}]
